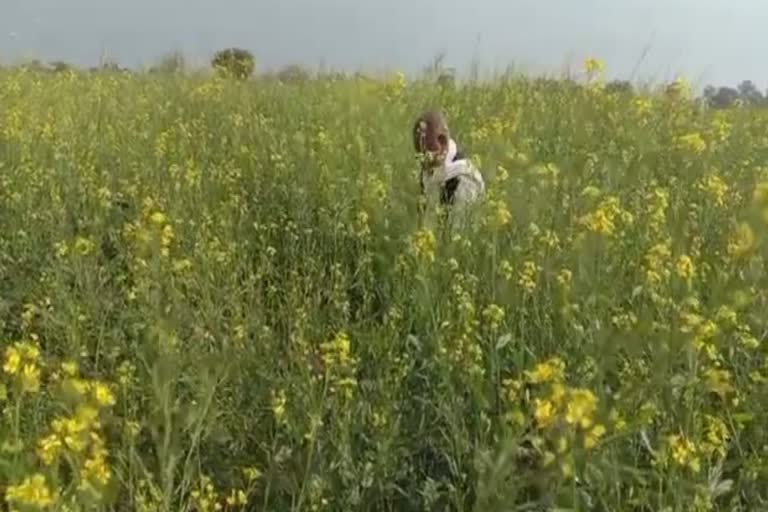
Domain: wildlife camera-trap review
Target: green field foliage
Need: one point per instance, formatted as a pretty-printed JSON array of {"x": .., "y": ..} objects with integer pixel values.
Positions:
[{"x": 218, "y": 295}]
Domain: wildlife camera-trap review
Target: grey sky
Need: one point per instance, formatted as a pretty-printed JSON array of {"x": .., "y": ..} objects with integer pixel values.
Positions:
[{"x": 710, "y": 41}]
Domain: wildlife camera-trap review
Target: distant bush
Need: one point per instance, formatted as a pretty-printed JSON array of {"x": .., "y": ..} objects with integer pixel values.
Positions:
[
  {"x": 234, "y": 63},
  {"x": 293, "y": 74},
  {"x": 60, "y": 66}
]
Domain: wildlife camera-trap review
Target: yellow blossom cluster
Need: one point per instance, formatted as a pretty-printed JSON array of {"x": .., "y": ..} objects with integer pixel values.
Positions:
[{"x": 565, "y": 418}]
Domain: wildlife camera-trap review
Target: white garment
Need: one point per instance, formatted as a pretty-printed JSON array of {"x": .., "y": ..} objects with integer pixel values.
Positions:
[
  {"x": 471, "y": 184},
  {"x": 470, "y": 188}
]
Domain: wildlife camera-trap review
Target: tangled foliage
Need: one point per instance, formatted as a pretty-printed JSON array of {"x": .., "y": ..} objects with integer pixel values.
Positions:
[
  {"x": 222, "y": 298},
  {"x": 234, "y": 63}
]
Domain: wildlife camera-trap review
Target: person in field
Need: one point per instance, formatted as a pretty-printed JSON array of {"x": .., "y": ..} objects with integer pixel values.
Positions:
[{"x": 448, "y": 178}]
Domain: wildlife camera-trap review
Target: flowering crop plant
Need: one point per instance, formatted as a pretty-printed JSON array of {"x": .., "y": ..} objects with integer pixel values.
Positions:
[{"x": 218, "y": 295}]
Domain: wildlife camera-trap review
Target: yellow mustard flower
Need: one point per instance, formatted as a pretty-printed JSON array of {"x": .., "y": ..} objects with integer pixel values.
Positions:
[
  {"x": 544, "y": 412},
  {"x": 581, "y": 408},
  {"x": 592, "y": 65},
  {"x": 685, "y": 268},
  {"x": 548, "y": 371},
  {"x": 692, "y": 142},
  {"x": 32, "y": 492},
  {"x": 684, "y": 452},
  {"x": 423, "y": 245}
]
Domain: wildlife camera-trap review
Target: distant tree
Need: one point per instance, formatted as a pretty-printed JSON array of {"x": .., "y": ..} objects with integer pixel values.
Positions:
[
  {"x": 170, "y": 64},
  {"x": 234, "y": 63},
  {"x": 60, "y": 66},
  {"x": 721, "y": 97},
  {"x": 293, "y": 74},
  {"x": 619, "y": 87},
  {"x": 749, "y": 93}
]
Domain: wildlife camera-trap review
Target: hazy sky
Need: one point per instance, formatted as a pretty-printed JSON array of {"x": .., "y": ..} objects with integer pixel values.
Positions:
[{"x": 710, "y": 41}]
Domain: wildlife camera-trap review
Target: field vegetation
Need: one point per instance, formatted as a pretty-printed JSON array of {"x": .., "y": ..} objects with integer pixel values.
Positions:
[{"x": 216, "y": 294}]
